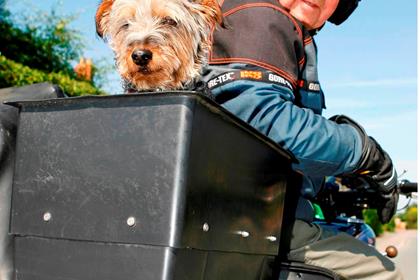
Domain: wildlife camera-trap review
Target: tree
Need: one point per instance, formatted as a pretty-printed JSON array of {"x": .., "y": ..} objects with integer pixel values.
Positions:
[
  {"x": 2, "y": 8},
  {"x": 370, "y": 216},
  {"x": 410, "y": 217},
  {"x": 45, "y": 45}
]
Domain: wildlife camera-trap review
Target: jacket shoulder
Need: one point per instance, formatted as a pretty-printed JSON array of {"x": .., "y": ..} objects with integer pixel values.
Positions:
[{"x": 259, "y": 33}]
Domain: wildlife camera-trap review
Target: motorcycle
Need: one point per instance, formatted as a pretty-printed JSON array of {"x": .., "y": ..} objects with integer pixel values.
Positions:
[
  {"x": 341, "y": 204},
  {"x": 344, "y": 205},
  {"x": 150, "y": 186}
]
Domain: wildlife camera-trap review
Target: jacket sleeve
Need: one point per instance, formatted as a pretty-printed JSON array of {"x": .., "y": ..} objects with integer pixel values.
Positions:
[{"x": 322, "y": 147}]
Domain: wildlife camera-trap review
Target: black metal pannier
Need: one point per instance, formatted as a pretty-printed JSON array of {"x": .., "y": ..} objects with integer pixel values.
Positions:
[{"x": 150, "y": 186}]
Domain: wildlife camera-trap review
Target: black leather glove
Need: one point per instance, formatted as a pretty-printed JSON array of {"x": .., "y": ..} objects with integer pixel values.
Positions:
[
  {"x": 376, "y": 165},
  {"x": 387, "y": 206}
]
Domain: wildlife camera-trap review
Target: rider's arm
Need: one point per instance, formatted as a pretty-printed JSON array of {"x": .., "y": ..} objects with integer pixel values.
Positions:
[
  {"x": 322, "y": 147},
  {"x": 267, "y": 39}
]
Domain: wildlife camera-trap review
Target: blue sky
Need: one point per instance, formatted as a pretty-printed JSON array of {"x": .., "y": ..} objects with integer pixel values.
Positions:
[{"x": 367, "y": 68}]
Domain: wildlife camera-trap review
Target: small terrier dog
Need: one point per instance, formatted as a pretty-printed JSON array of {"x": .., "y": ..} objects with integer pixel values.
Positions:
[{"x": 158, "y": 44}]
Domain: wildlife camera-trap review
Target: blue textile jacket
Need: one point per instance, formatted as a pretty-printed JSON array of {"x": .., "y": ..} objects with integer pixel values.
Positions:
[
  {"x": 263, "y": 69},
  {"x": 322, "y": 147}
]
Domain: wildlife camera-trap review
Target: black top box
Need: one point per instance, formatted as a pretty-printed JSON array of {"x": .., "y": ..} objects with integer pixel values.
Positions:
[{"x": 164, "y": 169}]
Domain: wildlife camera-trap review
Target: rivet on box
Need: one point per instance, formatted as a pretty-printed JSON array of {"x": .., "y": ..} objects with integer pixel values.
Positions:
[
  {"x": 131, "y": 221},
  {"x": 206, "y": 227},
  {"x": 271, "y": 238},
  {"x": 47, "y": 216},
  {"x": 243, "y": 233}
]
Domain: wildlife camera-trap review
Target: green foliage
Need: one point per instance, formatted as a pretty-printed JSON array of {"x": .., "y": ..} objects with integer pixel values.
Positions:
[
  {"x": 16, "y": 74},
  {"x": 38, "y": 46},
  {"x": 410, "y": 217},
  {"x": 390, "y": 226},
  {"x": 371, "y": 218},
  {"x": 46, "y": 44}
]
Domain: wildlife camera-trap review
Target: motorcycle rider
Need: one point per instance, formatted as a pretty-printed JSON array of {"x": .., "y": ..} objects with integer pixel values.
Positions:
[{"x": 263, "y": 69}]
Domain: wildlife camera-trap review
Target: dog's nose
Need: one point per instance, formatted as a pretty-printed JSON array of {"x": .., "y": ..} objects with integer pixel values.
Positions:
[{"x": 141, "y": 57}]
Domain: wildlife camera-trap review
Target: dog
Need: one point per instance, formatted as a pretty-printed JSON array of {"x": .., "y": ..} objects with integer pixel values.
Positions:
[{"x": 158, "y": 44}]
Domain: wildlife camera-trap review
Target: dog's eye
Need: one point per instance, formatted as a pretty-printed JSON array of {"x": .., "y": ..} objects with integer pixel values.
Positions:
[
  {"x": 169, "y": 21},
  {"x": 123, "y": 27}
]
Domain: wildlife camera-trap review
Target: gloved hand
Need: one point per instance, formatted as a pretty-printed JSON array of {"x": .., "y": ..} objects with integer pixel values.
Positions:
[
  {"x": 376, "y": 165},
  {"x": 388, "y": 206}
]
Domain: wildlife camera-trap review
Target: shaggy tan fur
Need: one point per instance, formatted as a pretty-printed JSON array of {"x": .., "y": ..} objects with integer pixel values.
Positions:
[{"x": 173, "y": 33}]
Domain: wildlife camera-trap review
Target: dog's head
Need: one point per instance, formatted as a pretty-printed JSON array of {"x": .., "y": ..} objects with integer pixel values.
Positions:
[{"x": 158, "y": 44}]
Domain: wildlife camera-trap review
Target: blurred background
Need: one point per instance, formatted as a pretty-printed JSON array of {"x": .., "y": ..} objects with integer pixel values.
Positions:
[{"x": 367, "y": 67}]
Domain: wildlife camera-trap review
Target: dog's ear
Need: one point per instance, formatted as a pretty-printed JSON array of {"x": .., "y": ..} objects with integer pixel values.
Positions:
[
  {"x": 102, "y": 16},
  {"x": 212, "y": 11}
]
